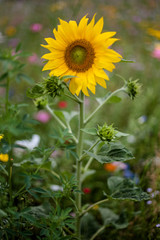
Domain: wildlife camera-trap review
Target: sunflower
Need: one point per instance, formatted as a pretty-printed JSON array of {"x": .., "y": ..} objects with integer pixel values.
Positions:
[{"x": 81, "y": 51}]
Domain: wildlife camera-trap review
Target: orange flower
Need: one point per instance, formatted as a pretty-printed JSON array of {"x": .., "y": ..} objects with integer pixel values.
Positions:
[{"x": 110, "y": 167}]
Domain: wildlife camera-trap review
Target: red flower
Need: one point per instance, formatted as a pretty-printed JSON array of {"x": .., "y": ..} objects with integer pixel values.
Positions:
[
  {"x": 62, "y": 104},
  {"x": 86, "y": 190}
]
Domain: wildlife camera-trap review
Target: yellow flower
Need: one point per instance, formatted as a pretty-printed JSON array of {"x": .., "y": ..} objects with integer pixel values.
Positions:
[
  {"x": 10, "y": 31},
  {"x": 1, "y": 136},
  {"x": 154, "y": 32},
  {"x": 81, "y": 51},
  {"x": 4, "y": 157}
]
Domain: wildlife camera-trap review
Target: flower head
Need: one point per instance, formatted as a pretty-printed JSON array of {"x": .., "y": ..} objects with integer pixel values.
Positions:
[
  {"x": 42, "y": 116},
  {"x": 36, "y": 27},
  {"x": 154, "y": 32},
  {"x": 54, "y": 86},
  {"x": 81, "y": 51},
  {"x": 106, "y": 133},
  {"x": 132, "y": 88},
  {"x": 1, "y": 136},
  {"x": 86, "y": 190},
  {"x": 62, "y": 104},
  {"x": 156, "y": 51},
  {"x": 4, "y": 157}
]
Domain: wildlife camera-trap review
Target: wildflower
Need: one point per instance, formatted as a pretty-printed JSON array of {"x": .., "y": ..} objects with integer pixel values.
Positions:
[
  {"x": 58, "y": 6},
  {"x": 42, "y": 116},
  {"x": 149, "y": 190},
  {"x": 149, "y": 202},
  {"x": 106, "y": 133},
  {"x": 154, "y": 32},
  {"x": 142, "y": 119},
  {"x": 158, "y": 225},
  {"x": 81, "y": 51},
  {"x": 132, "y": 88},
  {"x": 55, "y": 188},
  {"x": 110, "y": 167},
  {"x": 156, "y": 51},
  {"x": 62, "y": 104},
  {"x": 96, "y": 207},
  {"x": 86, "y": 190},
  {"x": 4, "y": 157},
  {"x": 36, "y": 27},
  {"x": 10, "y": 31},
  {"x": 1, "y": 136},
  {"x": 33, "y": 58},
  {"x": 54, "y": 86}
]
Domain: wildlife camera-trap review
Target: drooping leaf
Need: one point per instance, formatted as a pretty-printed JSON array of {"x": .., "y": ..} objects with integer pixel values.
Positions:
[
  {"x": 114, "y": 99},
  {"x": 122, "y": 189},
  {"x": 112, "y": 152}
]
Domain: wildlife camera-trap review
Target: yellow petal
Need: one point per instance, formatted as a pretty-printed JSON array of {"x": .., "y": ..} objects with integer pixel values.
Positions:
[
  {"x": 82, "y": 26},
  {"x": 73, "y": 86},
  {"x": 100, "y": 73},
  {"x": 101, "y": 82},
  {"x": 55, "y": 44},
  {"x": 92, "y": 88},
  {"x": 53, "y": 55},
  {"x": 98, "y": 26}
]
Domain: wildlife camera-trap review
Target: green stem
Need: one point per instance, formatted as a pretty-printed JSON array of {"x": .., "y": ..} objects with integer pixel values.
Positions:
[
  {"x": 90, "y": 149},
  {"x": 56, "y": 118},
  {"x": 88, "y": 164},
  {"x": 94, "y": 204},
  {"x": 101, "y": 105},
  {"x": 73, "y": 98},
  {"x": 99, "y": 231},
  {"x": 60, "y": 122},
  {"x": 78, "y": 165},
  {"x": 7, "y": 95}
]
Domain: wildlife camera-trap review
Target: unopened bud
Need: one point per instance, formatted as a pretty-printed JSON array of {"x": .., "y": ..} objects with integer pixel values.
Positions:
[{"x": 106, "y": 133}]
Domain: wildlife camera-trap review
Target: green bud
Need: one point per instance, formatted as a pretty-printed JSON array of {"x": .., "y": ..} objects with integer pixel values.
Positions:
[
  {"x": 54, "y": 86},
  {"x": 106, "y": 133},
  {"x": 41, "y": 102},
  {"x": 132, "y": 88}
]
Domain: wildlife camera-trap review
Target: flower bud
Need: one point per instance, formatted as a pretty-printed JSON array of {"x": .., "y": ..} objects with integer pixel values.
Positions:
[
  {"x": 132, "y": 88},
  {"x": 54, "y": 86},
  {"x": 106, "y": 133},
  {"x": 41, "y": 102}
]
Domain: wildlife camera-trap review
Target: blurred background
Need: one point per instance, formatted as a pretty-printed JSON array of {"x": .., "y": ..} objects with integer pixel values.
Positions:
[{"x": 137, "y": 24}]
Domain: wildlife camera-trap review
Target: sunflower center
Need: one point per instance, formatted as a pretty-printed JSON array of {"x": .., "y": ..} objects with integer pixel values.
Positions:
[{"x": 79, "y": 55}]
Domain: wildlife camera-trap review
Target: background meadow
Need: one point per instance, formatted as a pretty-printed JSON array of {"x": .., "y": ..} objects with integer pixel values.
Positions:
[{"x": 23, "y": 27}]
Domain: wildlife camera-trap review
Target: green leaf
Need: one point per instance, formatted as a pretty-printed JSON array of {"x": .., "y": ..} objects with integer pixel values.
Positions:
[
  {"x": 121, "y": 134},
  {"x": 108, "y": 216},
  {"x": 114, "y": 99},
  {"x": 128, "y": 61},
  {"x": 67, "y": 76},
  {"x": 18, "y": 47},
  {"x": 69, "y": 115},
  {"x": 112, "y": 152},
  {"x": 25, "y": 78},
  {"x": 35, "y": 92},
  {"x": 122, "y": 189},
  {"x": 3, "y": 76},
  {"x": 91, "y": 131},
  {"x": 2, "y": 213}
]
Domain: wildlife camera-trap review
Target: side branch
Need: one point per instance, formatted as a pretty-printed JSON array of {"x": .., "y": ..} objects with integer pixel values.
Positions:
[{"x": 101, "y": 105}]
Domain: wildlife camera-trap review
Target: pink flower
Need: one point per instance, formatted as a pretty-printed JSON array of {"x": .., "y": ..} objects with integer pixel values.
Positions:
[
  {"x": 62, "y": 104},
  {"x": 36, "y": 27},
  {"x": 42, "y": 116},
  {"x": 156, "y": 51},
  {"x": 33, "y": 58},
  {"x": 86, "y": 190}
]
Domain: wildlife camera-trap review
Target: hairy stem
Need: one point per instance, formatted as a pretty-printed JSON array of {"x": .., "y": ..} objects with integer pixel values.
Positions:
[
  {"x": 101, "y": 105},
  {"x": 93, "y": 205},
  {"x": 99, "y": 231},
  {"x": 78, "y": 165},
  {"x": 60, "y": 122}
]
